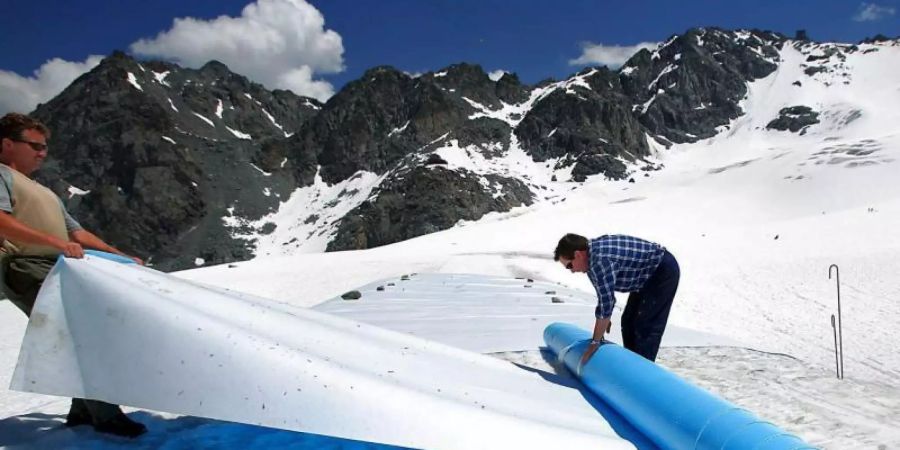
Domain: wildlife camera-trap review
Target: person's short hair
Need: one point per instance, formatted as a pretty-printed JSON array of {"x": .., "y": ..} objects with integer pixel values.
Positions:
[
  {"x": 12, "y": 125},
  {"x": 568, "y": 245}
]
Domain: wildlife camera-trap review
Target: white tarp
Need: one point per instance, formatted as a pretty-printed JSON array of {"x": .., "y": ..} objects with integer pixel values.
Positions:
[
  {"x": 486, "y": 314},
  {"x": 134, "y": 336}
]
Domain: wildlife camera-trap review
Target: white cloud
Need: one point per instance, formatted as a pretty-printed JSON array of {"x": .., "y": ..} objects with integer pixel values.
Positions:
[
  {"x": 496, "y": 74},
  {"x": 300, "y": 81},
  {"x": 22, "y": 94},
  {"x": 608, "y": 55},
  {"x": 870, "y": 12},
  {"x": 279, "y": 43}
]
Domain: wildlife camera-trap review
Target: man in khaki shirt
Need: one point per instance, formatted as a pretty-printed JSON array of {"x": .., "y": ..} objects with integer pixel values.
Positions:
[{"x": 35, "y": 229}]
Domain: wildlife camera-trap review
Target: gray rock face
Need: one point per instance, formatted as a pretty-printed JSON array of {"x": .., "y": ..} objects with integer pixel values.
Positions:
[
  {"x": 585, "y": 125},
  {"x": 352, "y": 132},
  {"x": 681, "y": 92},
  {"x": 380, "y": 121},
  {"x": 424, "y": 200},
  {"x": 691, "y": 85},
  {"x": 376, "y": 121},
  {"x": 794, "y": 119},
  {"x": 593, "y": 164},
  {"x": 510, "y": 90},
  {"x": 159, "y": 177}
]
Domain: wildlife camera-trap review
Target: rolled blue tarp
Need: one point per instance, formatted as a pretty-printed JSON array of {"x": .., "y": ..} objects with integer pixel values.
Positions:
[{"x": 668, "y": 410}]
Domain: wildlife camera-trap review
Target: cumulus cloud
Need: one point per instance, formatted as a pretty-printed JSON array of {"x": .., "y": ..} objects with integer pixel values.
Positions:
[
  {"x": 496, "y": 74},
  {"x": 22, "y": 94},
  {"x": 870, "y": 12},
  {"x": 608, "y": 55},
  {"x": 279, "y": 43}
]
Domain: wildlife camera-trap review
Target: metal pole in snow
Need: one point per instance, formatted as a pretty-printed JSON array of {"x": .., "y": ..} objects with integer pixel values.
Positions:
[
  {"x": 837, "y": 370},
  {"x": 840, "y": 330}
]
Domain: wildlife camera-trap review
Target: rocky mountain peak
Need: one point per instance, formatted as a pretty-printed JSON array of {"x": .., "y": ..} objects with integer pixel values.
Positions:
[
  {"x": 469, "y": 81},
  {"x": 117, "y": 55},
  {"x": 215, "y": 69},
  {"x": 691, "y": 85},
  {"x": 510, "y": 90},
  {"x": 880, "y": 38},
  {"x": 378, "y": 75},
  {"x": 152, "y": 156}
]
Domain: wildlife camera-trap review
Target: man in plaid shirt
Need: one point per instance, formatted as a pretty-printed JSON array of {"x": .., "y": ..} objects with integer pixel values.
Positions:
[{"x": 625, "y": 264}]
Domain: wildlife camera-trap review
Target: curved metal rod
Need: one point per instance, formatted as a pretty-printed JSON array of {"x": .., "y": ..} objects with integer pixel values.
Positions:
[{"x": 840, "y": 330}]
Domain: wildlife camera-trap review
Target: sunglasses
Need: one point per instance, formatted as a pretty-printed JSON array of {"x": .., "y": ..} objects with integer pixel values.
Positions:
[
  {"x": 36, "y": 146},
  {"x": 569, "y": 265}
]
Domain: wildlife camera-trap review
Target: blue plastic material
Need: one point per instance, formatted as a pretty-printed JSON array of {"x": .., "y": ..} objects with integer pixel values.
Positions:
[
  {"x": 110, "y": 256},
  {"x": 673, "y": 413}
]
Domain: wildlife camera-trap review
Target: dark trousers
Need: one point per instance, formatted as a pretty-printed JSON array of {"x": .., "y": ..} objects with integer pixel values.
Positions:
[
  {"x": 22, "y": 279},
  {"x": 645, "y": 316}
]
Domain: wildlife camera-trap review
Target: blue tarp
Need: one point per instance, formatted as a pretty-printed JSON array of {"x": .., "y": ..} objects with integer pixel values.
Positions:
[{"x": 670, "y": 411}]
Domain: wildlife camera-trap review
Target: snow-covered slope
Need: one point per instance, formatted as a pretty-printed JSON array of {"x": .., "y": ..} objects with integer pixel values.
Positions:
[
  {"x": 740, "y": 210},
  {"x": 755, "y": 217}
]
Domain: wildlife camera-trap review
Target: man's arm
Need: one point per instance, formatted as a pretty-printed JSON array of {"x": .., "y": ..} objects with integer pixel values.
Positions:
[
  {"x": 90, "y": 240},
  {"x": 603, "y": 275},
  {"x": 11, "y": 228},
  {"x": 604, "y": 280}
]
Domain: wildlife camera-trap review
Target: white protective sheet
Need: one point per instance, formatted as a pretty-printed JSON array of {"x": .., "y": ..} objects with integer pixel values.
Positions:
[
  {"x": 486, "y": 314},
  {"x": 134, "y": 336}
]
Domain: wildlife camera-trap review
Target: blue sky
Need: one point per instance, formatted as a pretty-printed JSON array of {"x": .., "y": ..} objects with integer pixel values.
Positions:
[{"x": 536, "y": 39}]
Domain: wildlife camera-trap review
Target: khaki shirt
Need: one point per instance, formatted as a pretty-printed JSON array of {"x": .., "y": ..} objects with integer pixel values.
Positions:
[{"x": 37, "y": 207}]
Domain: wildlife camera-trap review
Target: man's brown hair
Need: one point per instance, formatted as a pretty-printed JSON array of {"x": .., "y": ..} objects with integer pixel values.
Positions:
[
  {"x": 568, "y": 245},
  {"x": 12, "y": 125}
]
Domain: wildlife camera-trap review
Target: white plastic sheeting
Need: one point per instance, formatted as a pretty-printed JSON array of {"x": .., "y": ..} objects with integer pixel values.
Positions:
[
  {"x": 134, "y": 336},
  {"x": 486, "y": 314}
]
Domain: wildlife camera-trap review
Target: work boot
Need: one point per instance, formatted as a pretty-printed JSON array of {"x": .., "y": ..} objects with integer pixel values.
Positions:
[
  {"x": 75, "y": 418},
  {"x": 121, "y": 425},
  {"x": 78, "y": 414}
]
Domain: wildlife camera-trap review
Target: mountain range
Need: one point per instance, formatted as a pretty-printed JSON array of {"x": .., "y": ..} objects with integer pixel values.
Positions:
[{"x": 192, "y": 167}]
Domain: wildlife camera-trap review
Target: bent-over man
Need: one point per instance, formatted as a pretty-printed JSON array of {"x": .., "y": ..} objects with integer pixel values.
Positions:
[{"x": 625, "y": 264}]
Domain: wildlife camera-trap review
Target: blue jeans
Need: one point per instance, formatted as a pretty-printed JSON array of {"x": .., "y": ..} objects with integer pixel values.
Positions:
[{"x": 647, "y": 311}]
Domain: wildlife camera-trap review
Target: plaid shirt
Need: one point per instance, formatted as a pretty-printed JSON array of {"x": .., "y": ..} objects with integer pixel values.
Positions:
[{"x": 620, "y": 263}]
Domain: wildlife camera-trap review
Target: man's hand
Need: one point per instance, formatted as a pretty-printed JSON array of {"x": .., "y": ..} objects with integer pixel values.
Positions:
[
  {"x": 588, "y": 353},
  {"x": 89, "y": 240},
  {"x": 72, "y": 250},
  {"x": 601, "y": 327}
]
